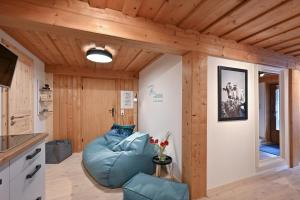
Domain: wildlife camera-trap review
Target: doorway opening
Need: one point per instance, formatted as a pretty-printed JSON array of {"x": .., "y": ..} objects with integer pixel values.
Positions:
[{"x": 269, "y": 115}]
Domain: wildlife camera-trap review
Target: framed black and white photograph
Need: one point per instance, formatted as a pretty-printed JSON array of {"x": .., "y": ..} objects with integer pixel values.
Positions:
[{"x": 232, "y": 94}]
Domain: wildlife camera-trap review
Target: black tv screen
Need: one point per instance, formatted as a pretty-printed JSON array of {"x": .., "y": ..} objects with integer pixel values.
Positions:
[{"x": 8, "y": 61}]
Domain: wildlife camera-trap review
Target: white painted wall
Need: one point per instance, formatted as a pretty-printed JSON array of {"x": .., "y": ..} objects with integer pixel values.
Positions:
[
  {"x": 156, "y": 118},
  {"x": 232, "y": 147},
  {"x": 39, "y": 74}
]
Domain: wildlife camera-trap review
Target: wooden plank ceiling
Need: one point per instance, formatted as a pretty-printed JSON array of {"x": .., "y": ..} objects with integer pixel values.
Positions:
[
  {"x": 69, "y": 51},
  {"x": 271, "y": 24}
]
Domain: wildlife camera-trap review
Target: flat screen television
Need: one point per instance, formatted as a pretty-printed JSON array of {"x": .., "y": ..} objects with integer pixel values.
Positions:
[{"x": 8, "y": 61}]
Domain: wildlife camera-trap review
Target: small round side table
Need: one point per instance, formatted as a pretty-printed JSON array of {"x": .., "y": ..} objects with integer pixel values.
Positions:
[{"x": 158, "y": 163}]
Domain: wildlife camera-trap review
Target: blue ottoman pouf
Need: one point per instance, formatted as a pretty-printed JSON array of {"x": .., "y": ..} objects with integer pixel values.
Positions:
[{"x": 145, "y": 187}]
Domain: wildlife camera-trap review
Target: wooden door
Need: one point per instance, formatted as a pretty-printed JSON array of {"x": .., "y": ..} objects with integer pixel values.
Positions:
[
  {"x": 274, "y": 126},
  {"x": 98, "y": 107},
  {"x": 20, "y": 100}
]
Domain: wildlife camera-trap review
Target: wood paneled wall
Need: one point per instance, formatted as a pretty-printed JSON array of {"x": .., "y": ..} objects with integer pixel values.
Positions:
[
  {"x": 294, "y": 115},
  {"x": 194, "y": 123},
  {"x": 67, "y": 107}
]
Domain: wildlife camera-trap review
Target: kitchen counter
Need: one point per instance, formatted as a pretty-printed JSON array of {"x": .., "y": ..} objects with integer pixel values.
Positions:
[
  {"x": 14, "y": 152},
  {"x": 22, "y": 167}
]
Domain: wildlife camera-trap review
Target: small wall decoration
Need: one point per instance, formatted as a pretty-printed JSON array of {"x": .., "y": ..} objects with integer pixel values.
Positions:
[
  {"x": 45, "y": 98},
  {"x": 232, "y": 94},
  {"x": 156, "y": 97},
  {"x": 126, "y": 99}
]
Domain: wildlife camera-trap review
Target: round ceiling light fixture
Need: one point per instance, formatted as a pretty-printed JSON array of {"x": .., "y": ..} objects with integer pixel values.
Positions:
[{"x": 99, "y": 55}]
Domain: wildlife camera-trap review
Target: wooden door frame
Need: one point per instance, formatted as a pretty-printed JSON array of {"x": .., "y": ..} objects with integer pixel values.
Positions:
[
  {"x": 294, "y": 116},
  {"x": 284, "y": 125}
]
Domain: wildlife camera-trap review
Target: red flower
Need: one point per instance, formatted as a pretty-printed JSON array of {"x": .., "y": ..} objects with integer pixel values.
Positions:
[
  {"x": 162, "y": 144},
  {"x": 156, "y": 141},
  {"x": 166, "y": 143},
  {"x": 151, "y": 140}
]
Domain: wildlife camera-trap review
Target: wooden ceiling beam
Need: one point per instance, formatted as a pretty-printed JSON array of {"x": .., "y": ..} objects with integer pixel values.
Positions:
[
  {"x": 89, "y": 72},
  {"x": 137, "y": 32}
]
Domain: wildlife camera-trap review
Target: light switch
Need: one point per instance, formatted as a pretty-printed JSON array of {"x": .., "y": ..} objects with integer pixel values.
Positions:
[{"x": 122, "y": 112}]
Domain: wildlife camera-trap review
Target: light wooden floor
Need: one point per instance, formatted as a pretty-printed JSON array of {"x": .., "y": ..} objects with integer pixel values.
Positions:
[
  {"x": 283, "y": 185},
  {"x": 68, "y": 181}
]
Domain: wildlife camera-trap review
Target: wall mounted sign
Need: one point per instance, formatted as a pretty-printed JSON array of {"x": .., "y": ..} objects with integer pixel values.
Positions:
[
  {"x": 232, "y": 94},
  {"x": 126, "y": 99},
  {"x": 156, "y": 97}
]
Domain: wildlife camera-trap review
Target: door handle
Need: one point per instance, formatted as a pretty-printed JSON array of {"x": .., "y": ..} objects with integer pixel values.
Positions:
[
  {"x": 112, "y": 112},
  {"x": 18, "y": 117}
]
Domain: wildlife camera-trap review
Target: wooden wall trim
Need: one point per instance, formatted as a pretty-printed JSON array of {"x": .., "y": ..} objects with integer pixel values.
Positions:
[
  {"x": 294, "y": 116},
  {"x": 194, "y": 135},
  {"x": 82, "y": 21},
  {"x": 89, "y": 72}
]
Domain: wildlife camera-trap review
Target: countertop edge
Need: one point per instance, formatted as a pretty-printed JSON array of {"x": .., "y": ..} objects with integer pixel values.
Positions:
[{"x": 14, "y": 152}]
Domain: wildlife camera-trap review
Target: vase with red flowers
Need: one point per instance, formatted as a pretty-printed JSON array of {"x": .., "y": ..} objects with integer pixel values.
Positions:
[{"x": 160, "y": 146}]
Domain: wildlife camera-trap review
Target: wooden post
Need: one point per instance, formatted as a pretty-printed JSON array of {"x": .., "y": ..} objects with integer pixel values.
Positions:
[
  {"x": 294, "y": 114},
  {"x": 194, "y": 135}
]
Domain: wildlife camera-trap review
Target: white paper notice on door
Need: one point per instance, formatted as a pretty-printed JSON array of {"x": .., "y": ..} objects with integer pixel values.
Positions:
[{"x": 126, "y": 99}]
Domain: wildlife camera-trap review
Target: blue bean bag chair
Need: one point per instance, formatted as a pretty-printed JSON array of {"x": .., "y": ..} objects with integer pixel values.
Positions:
[
  {"x": 114, "y": 159},
  {"x": 145, "y": 187}
]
